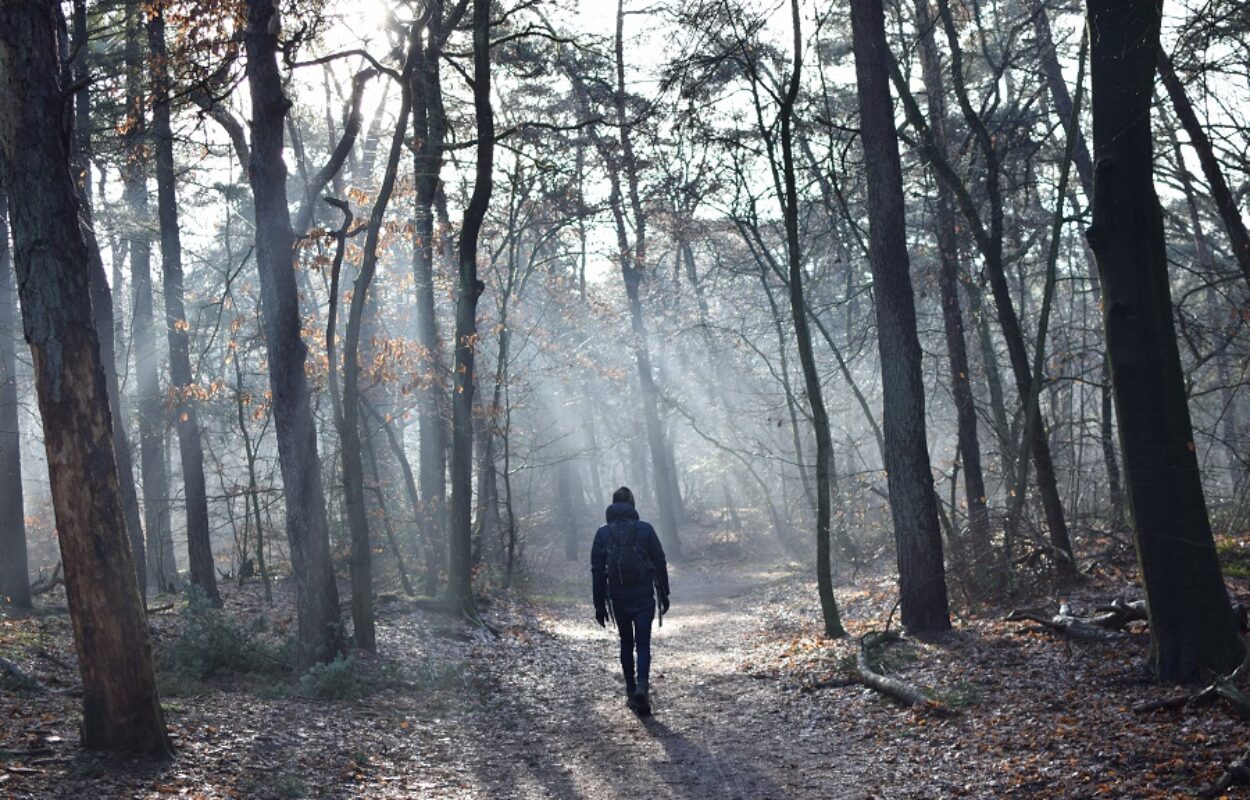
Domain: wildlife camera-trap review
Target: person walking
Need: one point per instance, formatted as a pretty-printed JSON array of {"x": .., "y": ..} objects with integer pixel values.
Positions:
[{"x": 629, "y": 575}]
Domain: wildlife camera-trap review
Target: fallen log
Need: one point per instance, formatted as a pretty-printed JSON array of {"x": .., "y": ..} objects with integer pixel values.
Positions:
[
  {"x": 904, "y": 693},
  {"x": 1116, "y": 614},
  {"x": 1238, "y": 699},
  {"x": 20, "y": 676},
  {"x": 1068, "y": 625}
]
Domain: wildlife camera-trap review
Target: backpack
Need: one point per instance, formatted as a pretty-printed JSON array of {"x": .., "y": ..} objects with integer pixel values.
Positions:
[{"x": 628, "y": 564}]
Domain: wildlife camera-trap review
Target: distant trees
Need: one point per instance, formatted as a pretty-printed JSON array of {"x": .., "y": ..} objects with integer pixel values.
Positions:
[
  {"x": 603, "y": 100},
  {"x": 120, "y": 707}
]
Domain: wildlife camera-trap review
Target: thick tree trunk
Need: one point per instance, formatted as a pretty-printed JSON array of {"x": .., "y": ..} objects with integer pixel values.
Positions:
[
  {"x": 320, "y": 633},
  {"x": 913, "y": 505},
  {"x": 1234, "y": 224},
  {"x": 1191, "y": 626},
  {"x": 120, "y": 706},
  {"x": 469, "y": 289},
  {"x": 177, "y": 326},
  {"x": 14, "y": 580}
]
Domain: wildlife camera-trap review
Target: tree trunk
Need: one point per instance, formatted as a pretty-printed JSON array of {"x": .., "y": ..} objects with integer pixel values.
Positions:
[
  {"x": 320, "y": 634},
  {"x": 789, "y": 199},
  {"x": 121, "y": 710},
  {"x": 1192, "y": 628},
  {"x": 469, "y": 289},
  {"x": 429, "y": 128},
  {"x": 14, "y": 578},
  {"x": 1061, "y": 98},
  {"x": 978, "y": 545},
  {"x": 177, "y": 326},
  {"x": 913, "y": 505},
  {"x": 162, "y": 569},
  {"x": 349, "y": 429},
  {"x": 101, "y": 295}
]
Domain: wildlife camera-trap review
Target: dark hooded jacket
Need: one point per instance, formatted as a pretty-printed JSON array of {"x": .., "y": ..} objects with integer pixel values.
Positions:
[{"x": 647, "y": 540}]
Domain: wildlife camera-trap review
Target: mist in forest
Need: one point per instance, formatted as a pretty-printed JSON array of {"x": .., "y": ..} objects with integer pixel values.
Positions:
[{"x": 350, "y": 319}]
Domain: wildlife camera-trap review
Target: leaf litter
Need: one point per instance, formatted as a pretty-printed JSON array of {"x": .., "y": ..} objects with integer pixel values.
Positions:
[{"x": 751, "y": 701}]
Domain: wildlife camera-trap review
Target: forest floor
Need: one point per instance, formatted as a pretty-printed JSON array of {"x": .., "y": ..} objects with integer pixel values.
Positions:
[{"x": 750, "y": 702}]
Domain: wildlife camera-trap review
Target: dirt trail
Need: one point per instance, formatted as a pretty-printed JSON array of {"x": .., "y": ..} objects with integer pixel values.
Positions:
[{"x": 716, "y": 732}]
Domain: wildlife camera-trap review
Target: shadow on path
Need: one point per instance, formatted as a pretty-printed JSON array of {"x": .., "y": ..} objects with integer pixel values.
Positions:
[{"x": 692, "y": 772}]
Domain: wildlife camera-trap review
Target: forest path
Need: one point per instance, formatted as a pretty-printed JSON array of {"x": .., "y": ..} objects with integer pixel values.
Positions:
[{"x": 562, "y": 729}]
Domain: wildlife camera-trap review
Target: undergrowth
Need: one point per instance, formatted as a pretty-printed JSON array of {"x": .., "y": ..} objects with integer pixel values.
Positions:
[{"x": 210, "y": 643}]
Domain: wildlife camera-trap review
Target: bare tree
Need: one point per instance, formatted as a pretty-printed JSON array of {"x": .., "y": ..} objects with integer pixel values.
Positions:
[
  {"x": 182, "y": 382},
  {"x": 469, "y": 289},
  {"x": 320, "y": 634}
]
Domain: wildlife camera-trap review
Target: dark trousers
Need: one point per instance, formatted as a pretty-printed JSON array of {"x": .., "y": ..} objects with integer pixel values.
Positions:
[{"x": 633, "y": 622}]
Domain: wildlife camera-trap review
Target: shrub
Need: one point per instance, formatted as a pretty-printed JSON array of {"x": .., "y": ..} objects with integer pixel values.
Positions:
[
  {"x": 211, "y": 643},
  {"x": 336, "y": 680}
]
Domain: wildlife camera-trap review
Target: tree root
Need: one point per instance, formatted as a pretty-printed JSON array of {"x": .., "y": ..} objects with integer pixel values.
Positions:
[
  {"x": 904, "y": 693},
  {"x": 1236, "y": 774},
  {"x": 44, "y": 585},
  {"x": 1220, "y": 686}
]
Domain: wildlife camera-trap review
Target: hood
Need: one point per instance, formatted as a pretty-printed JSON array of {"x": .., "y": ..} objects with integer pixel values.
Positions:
[{"x": 621, "y": 511}]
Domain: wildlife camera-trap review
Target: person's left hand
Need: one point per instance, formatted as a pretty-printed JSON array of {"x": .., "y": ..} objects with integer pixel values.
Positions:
[
  {"x": 663, "y": 604},
  {"x": 601, "y": 616}
]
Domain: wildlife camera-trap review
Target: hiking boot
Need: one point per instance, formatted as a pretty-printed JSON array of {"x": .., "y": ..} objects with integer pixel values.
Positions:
[
  {"x": 642, "y": 703},
  {"x": 630, "y": 691}
]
